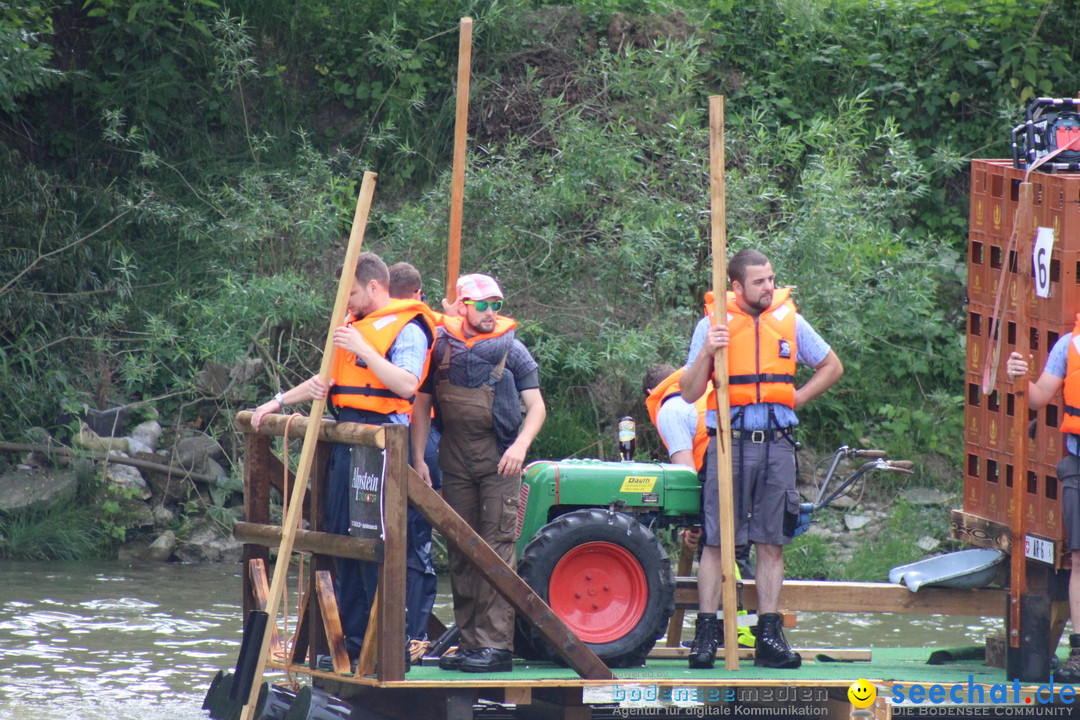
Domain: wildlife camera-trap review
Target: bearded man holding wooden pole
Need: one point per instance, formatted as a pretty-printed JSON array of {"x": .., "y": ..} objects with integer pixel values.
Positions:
[
  {"x": 383, "y": 348},
  {"x": 765, "y": 337}
]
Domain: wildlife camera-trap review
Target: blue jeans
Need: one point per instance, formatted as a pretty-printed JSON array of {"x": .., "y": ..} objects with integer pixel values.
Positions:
[{"x": 356, "y": 580}]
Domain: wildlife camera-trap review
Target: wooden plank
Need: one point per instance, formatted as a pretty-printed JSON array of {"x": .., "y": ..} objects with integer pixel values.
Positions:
[
  {"x": 369, "y": 651},
  {"x": 979, "y": 531},
  {"x": 457, "y": 174},
  {"x": 725, "y": 479},
  {"x": 329, "y": 431},
  {"x": 511, "y": 696},
  {"x": 344, "y": 546},
  {"x": 324, "y": 589},
  {"x": 821, "y": 596},
  {"x": 391, "y": 616},
  {"x": 318, "y": 644},
  {"x": 1024, "y": 229},
  {"x": 274, "y": 475},
  {"x": 260, "y": 589},
  {"x": 505, "y": 581},
  {"x": 845, "y": 654},
  {"x": 298, "y": 643},
  {"x": 256, "y": 505}
]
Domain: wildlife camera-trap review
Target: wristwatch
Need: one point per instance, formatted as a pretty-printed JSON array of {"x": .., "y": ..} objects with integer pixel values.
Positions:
[{"x": 280, "y": 397}]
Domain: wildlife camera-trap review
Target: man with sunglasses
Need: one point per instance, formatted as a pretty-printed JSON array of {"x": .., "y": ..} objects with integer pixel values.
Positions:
[{"x": 480, "y": 377}]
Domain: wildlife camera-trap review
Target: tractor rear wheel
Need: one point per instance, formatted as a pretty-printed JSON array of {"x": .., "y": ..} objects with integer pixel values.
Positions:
[{"x": 607, "y": 577}]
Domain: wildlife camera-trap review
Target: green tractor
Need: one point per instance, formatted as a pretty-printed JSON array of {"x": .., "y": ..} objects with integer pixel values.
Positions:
[{"x": 586, "y": 546}]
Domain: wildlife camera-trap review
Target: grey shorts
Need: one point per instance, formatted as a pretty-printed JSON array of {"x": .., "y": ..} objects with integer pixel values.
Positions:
[
  {"x": 766, "y": 496},
  {"x": 1068, "y": 473}
]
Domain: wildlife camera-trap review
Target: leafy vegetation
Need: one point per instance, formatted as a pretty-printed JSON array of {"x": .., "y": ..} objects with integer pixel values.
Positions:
[
  {"x": 868, "y": 556},
  {"x": 180, "y": 175}
]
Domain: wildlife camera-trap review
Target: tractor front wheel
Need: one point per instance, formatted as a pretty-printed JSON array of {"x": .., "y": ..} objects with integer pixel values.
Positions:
[{"x": 607, "y": 577}]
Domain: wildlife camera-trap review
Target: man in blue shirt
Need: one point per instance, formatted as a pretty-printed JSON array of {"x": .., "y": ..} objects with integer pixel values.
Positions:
[
  {"x": 382, "y": 352},
  {"x": 766, "y": 338},
  {"x": 1062, "y": 366}
]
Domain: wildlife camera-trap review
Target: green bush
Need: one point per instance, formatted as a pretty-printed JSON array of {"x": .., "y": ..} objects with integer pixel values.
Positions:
[
  {"x": 24, "y": 29},
  {"x": 180, "y": 178}
]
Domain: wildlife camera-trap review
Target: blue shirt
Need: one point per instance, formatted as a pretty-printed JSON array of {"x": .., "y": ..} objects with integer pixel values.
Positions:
[
  {"x": 676, "y": 422},
  {"x": 810, "y": 350},
  {"x": 1057, "y": 363},
  {"x": 408, "y": 352}
]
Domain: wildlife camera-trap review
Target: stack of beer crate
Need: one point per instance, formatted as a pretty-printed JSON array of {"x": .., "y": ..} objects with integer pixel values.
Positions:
[{"x": 992, "y": 428}]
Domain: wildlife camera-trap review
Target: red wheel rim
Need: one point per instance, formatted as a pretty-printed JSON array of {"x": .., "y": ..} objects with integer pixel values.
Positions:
[{"x": 599, "y": 591}]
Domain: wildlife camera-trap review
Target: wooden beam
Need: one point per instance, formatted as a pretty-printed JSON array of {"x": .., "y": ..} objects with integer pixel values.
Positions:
[
  {"x": 369, "y": 651},
  {"x": 457, "y": 175},
  {"x": 725, "y": 480},
  {"x": 329, "y": 430},
  {"x": 820, "y": 596},
  {"x": 1018, "y": 567},
  {"x": 260, "y": 588},
  {"x": 257, "y": 456},
  {"x": 343, "y": 546},
  {"x": 505, "y": 581},
  {"x": 148, "y": 465},
  {"x": 391, "y": 616}
]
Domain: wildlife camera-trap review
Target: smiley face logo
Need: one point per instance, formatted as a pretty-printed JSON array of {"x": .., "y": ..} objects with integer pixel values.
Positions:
[{"x": 862, "y": 693}]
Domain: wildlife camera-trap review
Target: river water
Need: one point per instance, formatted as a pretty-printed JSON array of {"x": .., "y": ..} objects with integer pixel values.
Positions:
[{"x": 111, "y": 641}]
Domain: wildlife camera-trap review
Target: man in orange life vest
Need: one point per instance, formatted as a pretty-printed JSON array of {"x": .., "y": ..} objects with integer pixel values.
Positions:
[
  {"x": 480, "y": 376},
  {"x": 383, "y": 350},
  {"x": 1063, "y": 370},
  {"x": 766, "y": 337},
  {"x": 682, "y": 429}
]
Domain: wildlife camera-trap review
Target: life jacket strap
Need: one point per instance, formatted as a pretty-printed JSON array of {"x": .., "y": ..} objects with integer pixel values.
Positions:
[{"x": 759, "y": 378}]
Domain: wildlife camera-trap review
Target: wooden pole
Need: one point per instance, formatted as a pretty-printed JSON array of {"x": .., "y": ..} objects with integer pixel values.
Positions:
[
  {"x": 457, "y": 182},
  {"x": 1018, "y": 572},
  {"x": 725, "y": 484},
  {"x": 296, "y": 504}
]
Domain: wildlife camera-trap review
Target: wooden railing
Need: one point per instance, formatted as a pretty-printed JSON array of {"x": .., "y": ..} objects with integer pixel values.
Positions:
[{"x": 318, "y": 629}]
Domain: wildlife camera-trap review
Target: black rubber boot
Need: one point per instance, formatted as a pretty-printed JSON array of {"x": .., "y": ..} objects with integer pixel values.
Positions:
[
  {"x": 706, "y": 639},
  {"x": 771, "y": 649},
  {"x": 1069, "y": 672}
]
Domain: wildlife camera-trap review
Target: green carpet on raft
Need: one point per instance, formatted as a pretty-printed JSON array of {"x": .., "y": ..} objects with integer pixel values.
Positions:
[{"x": 886, "y": 665}]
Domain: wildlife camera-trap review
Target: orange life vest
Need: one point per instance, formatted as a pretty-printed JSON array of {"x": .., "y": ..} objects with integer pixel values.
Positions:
[
  {"x": 357, "y": 386},
  {"x": 761, "y": 353},
  {"x": 670, "y": 386},
  {"x": 456, "y": 327},
  {"x": 1071, "y": 421}
]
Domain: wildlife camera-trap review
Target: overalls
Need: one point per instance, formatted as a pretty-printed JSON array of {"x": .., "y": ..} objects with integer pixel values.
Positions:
[{"x": 469, "y": 457}]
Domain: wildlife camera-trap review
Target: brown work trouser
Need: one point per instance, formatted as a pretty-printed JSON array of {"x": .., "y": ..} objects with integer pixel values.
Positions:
[{"x": 469, "y": 458}]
